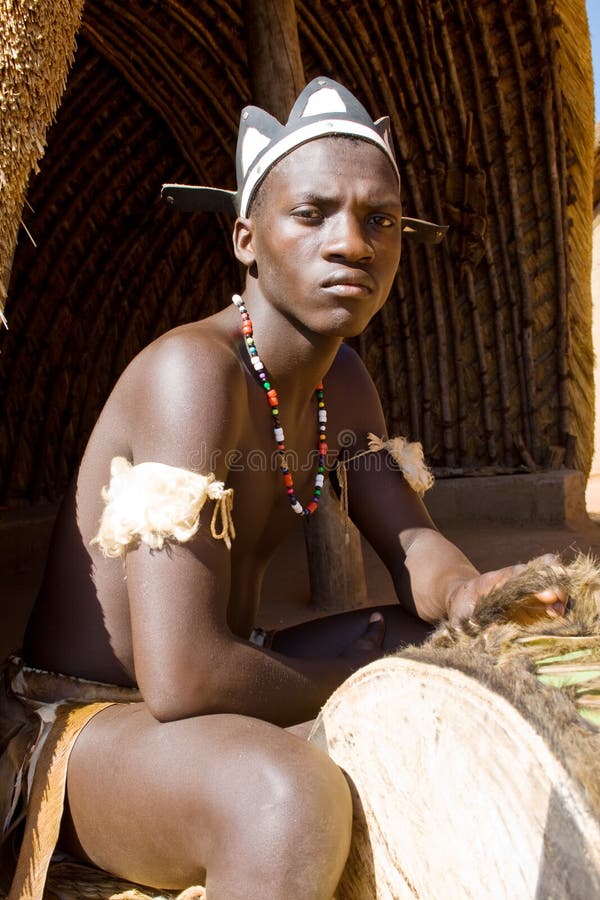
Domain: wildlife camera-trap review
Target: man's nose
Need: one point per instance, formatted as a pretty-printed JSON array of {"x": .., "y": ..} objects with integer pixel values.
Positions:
[{"x": 347, "y": 239}]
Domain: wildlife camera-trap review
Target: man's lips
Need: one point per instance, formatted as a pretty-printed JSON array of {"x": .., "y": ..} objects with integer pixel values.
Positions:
[{"x": 349, "y": 281}]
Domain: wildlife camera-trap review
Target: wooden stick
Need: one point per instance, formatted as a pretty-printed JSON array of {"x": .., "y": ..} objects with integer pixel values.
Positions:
[
  {"x": 422, "y": 349},
  {"x": 520, "y": 246},
  {"x": 496, "y": 215},
  {"x": 388, "y": 339},
  {"x": 484, "y": 376},
  {"x": 274, "y": 60},
  {"x": 526, "y": 112},
  {"x": 524, "y": 452},
  {"x": 503, "y": 385},
  {"x": 555, "y": 149},
  {"x": 409, "y": 345}
]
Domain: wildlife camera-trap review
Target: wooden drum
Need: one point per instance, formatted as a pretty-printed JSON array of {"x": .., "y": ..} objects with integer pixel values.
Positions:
[{"x": 471, "y": 778}]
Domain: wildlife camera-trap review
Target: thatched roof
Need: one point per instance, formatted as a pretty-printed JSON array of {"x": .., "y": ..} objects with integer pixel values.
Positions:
[
  {"x": 483, "y": 351},
  {"x": 597, "y": 166},
  {"x": 36, "y": 49}
]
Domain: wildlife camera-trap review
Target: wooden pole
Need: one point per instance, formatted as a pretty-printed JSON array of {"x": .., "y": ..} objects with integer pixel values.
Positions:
[
  {"x": 335, "y": 561},
  {"x": 274, "y": 58}
]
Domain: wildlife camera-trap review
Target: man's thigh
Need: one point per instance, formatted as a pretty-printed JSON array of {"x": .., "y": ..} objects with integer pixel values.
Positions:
[{"x": 161, "y": 803}]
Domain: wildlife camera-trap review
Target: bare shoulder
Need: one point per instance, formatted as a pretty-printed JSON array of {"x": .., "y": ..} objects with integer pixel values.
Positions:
[
  {"x": 349, "y": 369},
  {"x": 187, "y": 358},
  {"x": 352, "y": 398},
  {"x": 187, "y": 386}
]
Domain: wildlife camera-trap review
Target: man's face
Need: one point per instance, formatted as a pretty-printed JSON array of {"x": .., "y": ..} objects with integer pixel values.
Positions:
[{"x": 326, "y": 234}]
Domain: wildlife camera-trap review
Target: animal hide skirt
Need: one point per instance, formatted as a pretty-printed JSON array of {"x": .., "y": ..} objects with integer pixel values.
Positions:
[{"x": 41, "y": 716}]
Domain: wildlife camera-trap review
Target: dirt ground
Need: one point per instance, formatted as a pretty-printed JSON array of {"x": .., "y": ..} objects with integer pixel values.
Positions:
[{"x": 286, "y": 589}]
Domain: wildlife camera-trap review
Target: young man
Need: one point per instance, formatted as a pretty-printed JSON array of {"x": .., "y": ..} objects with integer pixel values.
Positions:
[{"x": 201, "y": 779}]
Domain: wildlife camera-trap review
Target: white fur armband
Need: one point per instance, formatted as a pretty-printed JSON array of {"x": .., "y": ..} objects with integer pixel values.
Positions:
[
  {"x": 153, "y": 503},
  {"x": 407, "y": 455},
  {"x": 409, "y": 458}
]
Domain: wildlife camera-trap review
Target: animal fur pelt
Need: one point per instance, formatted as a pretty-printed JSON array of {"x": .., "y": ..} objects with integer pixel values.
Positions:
[
  {"x": 154, "y": 504},
  {"x": 549, "y": 669},
  {"x": 508, "y": 621}
]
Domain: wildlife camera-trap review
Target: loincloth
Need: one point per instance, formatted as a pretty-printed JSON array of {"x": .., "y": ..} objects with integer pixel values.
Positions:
[{"x": 41, "y": 716}]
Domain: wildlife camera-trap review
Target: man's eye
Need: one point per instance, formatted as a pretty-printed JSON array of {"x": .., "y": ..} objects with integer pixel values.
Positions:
[
  {"x": 383, "y": 221},
  {"x": 308, "y": 212}
]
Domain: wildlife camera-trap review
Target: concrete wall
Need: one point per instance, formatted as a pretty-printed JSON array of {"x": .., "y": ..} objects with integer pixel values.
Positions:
[{"x": 538, "y": 500}]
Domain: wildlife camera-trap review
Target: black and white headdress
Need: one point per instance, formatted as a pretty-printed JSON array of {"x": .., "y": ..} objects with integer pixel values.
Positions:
[{"x": 324, "y": 108}]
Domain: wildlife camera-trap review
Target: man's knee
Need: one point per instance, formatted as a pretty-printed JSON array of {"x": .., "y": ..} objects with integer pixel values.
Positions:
[
  {"x": 296, "y": 785},
  {"x": 294, "y": 822}
]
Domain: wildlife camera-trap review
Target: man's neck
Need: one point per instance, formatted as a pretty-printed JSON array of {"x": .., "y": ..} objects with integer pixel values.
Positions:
[{"x": 295, "y": 358}]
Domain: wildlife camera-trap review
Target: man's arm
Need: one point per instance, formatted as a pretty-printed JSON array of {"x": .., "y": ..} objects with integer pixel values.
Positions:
[
  {"x": 187, "y": 660},
  {"x": 427, "y": 569},
  {"x": 432, "y": 577}
]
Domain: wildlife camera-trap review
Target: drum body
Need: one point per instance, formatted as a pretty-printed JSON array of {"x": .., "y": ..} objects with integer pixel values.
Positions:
[{"x": 456, "y": 794}]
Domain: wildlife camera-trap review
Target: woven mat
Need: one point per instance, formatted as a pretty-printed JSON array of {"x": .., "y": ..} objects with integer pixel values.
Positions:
[{"x": 72, "y": 881}]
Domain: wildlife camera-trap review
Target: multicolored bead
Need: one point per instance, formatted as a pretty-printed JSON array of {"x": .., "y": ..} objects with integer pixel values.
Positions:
[{"x": 273, "y": 401}]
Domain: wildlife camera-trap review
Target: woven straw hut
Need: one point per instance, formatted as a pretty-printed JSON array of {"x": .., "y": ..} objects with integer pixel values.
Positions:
[
  {"x": 484, "y": 350},
  {"x": 595, "y": 466}
]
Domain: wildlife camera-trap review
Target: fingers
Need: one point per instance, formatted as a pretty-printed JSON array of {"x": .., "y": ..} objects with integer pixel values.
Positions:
[
  {"x": 496, "y": 579},
  {"x": 555, "y": 600},
  {"x": 502, "y": 575},
  {"x": 551, "y": 601},
  {"x": 553, "y": 597},
  {"x": 549, "y": 559}
]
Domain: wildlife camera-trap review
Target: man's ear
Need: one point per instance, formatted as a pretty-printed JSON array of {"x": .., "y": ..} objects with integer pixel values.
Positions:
[{"x": 243, "y": 241}]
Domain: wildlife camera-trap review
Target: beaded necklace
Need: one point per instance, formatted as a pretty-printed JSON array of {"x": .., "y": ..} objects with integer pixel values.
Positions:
[{"x": 273, "y": 401}]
